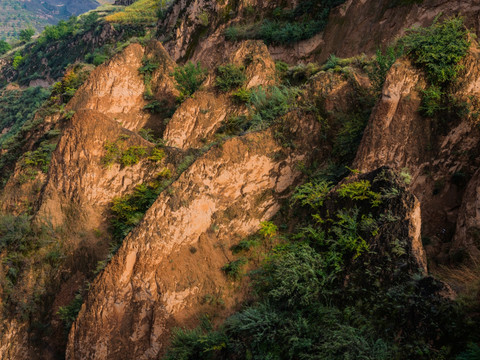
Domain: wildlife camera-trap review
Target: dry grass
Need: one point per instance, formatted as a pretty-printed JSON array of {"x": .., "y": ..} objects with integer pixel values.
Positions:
[{"x": 464, "y": 280}]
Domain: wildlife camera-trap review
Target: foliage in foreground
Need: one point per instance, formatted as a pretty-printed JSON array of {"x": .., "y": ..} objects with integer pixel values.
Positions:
[{"x": 328, "y": 291}]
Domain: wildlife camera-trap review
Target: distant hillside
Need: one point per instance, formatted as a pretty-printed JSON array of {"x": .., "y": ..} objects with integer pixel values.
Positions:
[{"x": 16, "y": 15}]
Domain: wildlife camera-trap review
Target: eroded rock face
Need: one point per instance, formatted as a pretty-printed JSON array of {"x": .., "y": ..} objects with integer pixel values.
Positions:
[
  {"x": 80, "y": 185},
  {"x": 197, "y": 119},
  {"x": 441, "y": 157},
  {"x": 348, "y": 23},
  {"x": 14, "y": 341},
  {"x": 194, "y": 29},
  {"x": 466, "y": 242},
  {"x": 191, "y": 37},
  {"x": 156, "y": 281},
  {"x": 396, "y": 134},
  {"x": 117, "y": 88}
]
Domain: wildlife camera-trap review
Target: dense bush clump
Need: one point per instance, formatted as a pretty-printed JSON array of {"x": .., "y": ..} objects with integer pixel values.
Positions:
[
  {"x": 4, "y": 47},
  {"x": 189, "y": 78},
  {"x": 17, "y": 107},
  {"x": 230, "y": 77},
  {"x": 268, "y": 104},
  {"x": 439, "y": 49},
  {"x": 30, "y": 253},
  {"x": 69, "y": 313}
]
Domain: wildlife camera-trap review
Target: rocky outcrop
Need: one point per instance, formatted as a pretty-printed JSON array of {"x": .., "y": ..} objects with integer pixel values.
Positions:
[
  {"x": 397, "y": 135},
  {"x": 188, "y": 34},
  {"x": 173, "y": 259},
  {"x": 396, "y": 242},
  {"x": 440, "y": 157},
  {"x": 117, "y": 88},
  {"x": 198, "y": 118},
  {"x": 80, "y": 185},
  {"x": 385, "y": 20},
  {"x": 194, "y": 29}
]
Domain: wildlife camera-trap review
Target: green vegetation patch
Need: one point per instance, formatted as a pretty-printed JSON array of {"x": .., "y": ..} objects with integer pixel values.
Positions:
[
  {"x": 332, "y": 288},
  {"x": 30, "y": 254},
  {"x": 17, "y": 107},
  {"x": 140, "y": 12},
  {"x": 439, "y": 49},
  {"x": 118, "y": 152},
  {"x": 189, "y": 78},
  {"x": 287, "y": 26},
  {"x": 230, "y": 77}
]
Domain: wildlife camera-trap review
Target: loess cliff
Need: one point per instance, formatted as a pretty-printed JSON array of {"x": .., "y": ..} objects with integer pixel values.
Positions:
[{"x": 244, "y": 180}]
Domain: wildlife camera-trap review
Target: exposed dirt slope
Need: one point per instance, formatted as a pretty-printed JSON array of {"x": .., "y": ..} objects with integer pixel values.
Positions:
[
  {"x": 117, "y": 88},
  {"x": 157, "y": 281}
]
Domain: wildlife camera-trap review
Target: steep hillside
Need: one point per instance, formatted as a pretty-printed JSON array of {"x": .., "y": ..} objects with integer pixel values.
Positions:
[
  {"x": 202, "y": 179},
  {"x": 17, "y": 15}
]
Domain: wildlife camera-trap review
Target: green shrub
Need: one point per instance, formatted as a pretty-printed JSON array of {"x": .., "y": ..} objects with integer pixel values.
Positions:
[
  {"x": 301, "y": 73},
  {"x": 268, "y": 332},
  {"x": 472, "y": 353},
  {"x": 287, "y": 27},
  {"x": 242, "y": 96},
  {"x": 230, "y": 77},
  {"x": 15, "y": 232},
  {"x": 438, "y": 49},
  {"x": 359, "y": 190},
  {"x": 331, "y": 63},
  {"x": 268, "y": 229},
  {"x": 128, "y": 210},
  {"x": 382, "y": 64},
  {"x": 312, "y": 194},
  {"x": 185, "y": 164},
  {"x": 234, "y": 125},
  {"x": 281, "y": 68},
  {"x": 197, "y": 344},
  {"x": 295, "y": 275},
  {"x": 118, "y": 152},
  {"x": 4, "y": 47},
  {"x": 17, "y": 61},
  {"x": 18, "y": 107},
  {"x": 149, "y": 66},
  {"x": 157, "y": 155},
  {"x": 432, "y": 101},
  {"x": 132, "y": 155},
  {"x": 245, "y": 245},
  {"x": 231, "y": 33},
  {"x": 25, "y": 35},
  {"x": 68, "y": 314},
  {"x": 38, "y": 159},
  {"x": 189, "y": 78},
  {"x": 233, "y": 269},
  {"x": 154, "y": 107}
]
